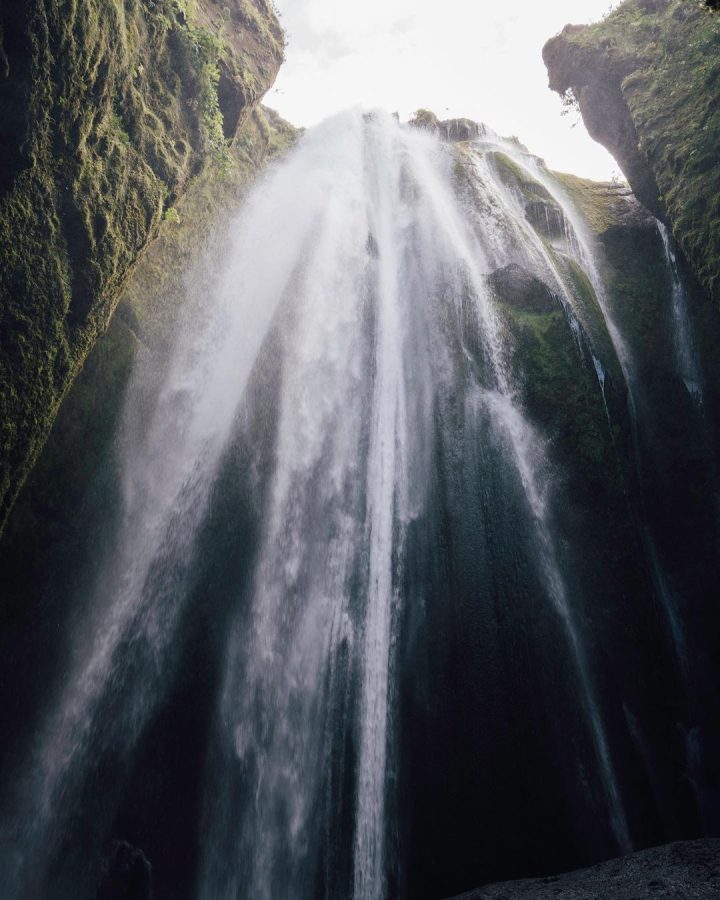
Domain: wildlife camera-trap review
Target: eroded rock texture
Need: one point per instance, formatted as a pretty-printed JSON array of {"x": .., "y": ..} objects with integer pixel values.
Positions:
[{"x": 107, "y": 111}]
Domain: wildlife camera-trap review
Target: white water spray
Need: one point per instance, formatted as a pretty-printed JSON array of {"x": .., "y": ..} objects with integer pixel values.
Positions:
[
  {"x": 683, "y": 338},
  {"x": 356, "y": 250}
]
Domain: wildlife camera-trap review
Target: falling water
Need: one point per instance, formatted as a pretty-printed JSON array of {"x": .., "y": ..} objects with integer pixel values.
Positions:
[
  {"x": 683, "y": 341},
  {"x": 539, "y": 254},
  {"x": 169, "y": 459},
  {"x": 386, "y": 460},
  {"x": 396, "y": 251},
  {"x": 356, "y": 254},
  {"x": 685, "y": 354}
]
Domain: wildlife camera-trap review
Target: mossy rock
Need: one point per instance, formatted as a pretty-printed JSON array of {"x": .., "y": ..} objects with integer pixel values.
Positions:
[
  {"x": 546, "y": 218},
  {"x": 107, "y": 111},
  {"x": 561, "y": 394},
  {"x": 603, "y": 204},
  {"x": 50, "y": 511},
  {"x": 522, "y": 290},
  {"x": 515, "y": 177},
  {"x": 541, "y": 211}
]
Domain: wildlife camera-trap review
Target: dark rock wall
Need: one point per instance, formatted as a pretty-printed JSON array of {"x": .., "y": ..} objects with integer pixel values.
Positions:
[
  {"x": 66, "y": 514},
  {"x": 477, "y": 728},
  {"x": 107, "y": 111},
  {"x": 680, "y": 870}
]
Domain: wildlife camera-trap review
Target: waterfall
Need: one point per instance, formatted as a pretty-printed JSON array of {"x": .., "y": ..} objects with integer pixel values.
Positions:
[
  {"x": 359, "y": 277},
  {"x": 671, "y": 596},
  {"x": 387, "y": 460},
  {"x": 683, "y": 340}
]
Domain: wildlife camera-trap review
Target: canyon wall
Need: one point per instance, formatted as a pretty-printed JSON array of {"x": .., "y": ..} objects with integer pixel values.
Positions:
[{"x": 107, "y": 113}]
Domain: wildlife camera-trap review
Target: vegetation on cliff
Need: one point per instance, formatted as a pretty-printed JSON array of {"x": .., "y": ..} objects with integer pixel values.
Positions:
[
  {"x": 647, "y": 82},
  {"x": 107, "y": 110}
]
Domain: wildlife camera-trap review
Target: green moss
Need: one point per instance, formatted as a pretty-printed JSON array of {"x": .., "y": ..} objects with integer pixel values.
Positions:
[
  {"x": 589, "y": 314},
  {"x": 514, "y": 175},
  {"x": 425, "y": 118},
  {"x": 602, "y": 204},
  {"x": 112, "y": 109},
  {"x": 561, "y": 394}
]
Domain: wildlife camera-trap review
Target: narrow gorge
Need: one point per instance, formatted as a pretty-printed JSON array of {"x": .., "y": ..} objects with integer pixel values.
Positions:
[{"x": 361, "y": 482}]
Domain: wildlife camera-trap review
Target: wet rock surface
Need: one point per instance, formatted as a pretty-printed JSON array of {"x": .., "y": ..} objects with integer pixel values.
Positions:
[
  {"x": 127, "y": 874},
  {"x": 645, "y": 79},
  {"x": 460, "y": 130},
  {"x": 683, "y": 870},
  {"x": 522, "y": 289}
]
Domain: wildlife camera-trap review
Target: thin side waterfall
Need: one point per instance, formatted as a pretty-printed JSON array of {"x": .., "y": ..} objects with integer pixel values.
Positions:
[
  {"x": 531, "y": 248},
  {"x": 527, "y": 453},
  {"x": 352, "y": 307},
  {"x": 538, "y": 254},
  {"x": 683, "y": 343}
]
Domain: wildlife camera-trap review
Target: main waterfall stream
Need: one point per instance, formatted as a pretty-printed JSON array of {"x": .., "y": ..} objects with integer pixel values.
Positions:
[{"x": 349, "y": 363}]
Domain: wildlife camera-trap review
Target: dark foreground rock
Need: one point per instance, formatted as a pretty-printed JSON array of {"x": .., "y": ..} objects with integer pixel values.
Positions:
[{"x": 683, "y": 871}]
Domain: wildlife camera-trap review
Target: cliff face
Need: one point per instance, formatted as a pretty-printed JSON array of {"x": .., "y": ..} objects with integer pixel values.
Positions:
[
  {"x": 107, "y": 111},
  {"x": 647, "y": 82}
]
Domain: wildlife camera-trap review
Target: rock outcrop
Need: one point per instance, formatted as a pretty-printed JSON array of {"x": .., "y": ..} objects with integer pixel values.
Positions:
[
  {"x": 678, "y": 871},
  {"x": 646, "y": 80},
  {"x": 454, "y": 130},
  {"x": 522, "y": 289},
  {"x": 107, "y": 112},
  {"x": 460, "y": 129}
]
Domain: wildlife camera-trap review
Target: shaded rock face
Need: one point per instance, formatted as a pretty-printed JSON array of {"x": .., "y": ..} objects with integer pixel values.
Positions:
[
  {"x": 595, "y": 80},
  {"x": 107, "y": 112},
  {"x": 646, "y": 82},
  {"x": 522, "y": 289},
  {"x": 677, "y": 871}
]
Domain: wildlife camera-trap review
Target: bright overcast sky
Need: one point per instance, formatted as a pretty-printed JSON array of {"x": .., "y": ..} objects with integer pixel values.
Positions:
[{"x": 475, "y": 58}]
